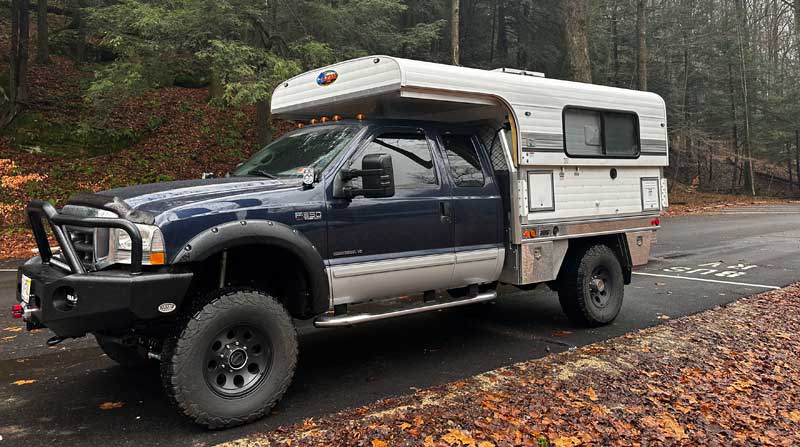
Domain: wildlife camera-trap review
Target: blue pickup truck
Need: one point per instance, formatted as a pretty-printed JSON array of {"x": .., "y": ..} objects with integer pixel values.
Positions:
[{"x": 207, "y": 277}]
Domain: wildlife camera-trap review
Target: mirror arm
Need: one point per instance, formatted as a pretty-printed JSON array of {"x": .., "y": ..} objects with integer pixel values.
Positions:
[{"x": 350, "y": 174}]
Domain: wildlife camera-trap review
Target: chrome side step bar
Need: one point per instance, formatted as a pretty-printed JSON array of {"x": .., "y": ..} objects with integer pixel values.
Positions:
[{"x": 330, "y": 321}]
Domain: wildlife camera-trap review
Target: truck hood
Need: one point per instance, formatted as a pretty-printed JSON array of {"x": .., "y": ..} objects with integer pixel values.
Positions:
[{"x": 158, "y": 198}]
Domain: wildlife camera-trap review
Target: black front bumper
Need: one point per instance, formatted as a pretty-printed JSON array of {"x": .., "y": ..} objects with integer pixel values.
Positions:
[
  {"x": 110, "y": 301},
  {"x": 72, "y": 299}
]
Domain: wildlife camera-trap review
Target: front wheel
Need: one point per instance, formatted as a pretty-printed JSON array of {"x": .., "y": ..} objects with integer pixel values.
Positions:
[
  {"x": 233, "y": 360},
  {"x": 592, "y": 286}
]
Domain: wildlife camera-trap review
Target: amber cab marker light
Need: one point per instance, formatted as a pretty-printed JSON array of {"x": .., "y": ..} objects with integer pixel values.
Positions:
[
  {"x": 313, "y": 121},
  {"x": 157, "y": 259},
  {"x": 337, "y": 118},
  {"x": 300, "y": 125},
  {"x": 324, "y": 119},
  {"x": 360, "y": 117}
]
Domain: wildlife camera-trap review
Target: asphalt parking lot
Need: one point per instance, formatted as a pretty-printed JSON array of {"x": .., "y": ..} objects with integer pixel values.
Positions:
[{"x": 699, "y": 262}]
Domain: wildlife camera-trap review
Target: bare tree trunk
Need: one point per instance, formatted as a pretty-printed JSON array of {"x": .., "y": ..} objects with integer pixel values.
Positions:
[
  {"x": 734, "y": 130},
  {"x": 455, "y": 23},
  {"x": 789, "y": 164},
  {"x": 711, "y": 167},
  {"x": 13, "y": 63},
  {"x": 42, "y": 45},
  {"x": 749, "y": 178},
  {"x": 641, "y": 59},
  {"x": 502, "y": 30},
  {"x": 18, "y": 59},
  {"x": 580, "y": 67},
  {"x": 615, "y": 44},
  {"x": 263, "y": 128},
  {"x": 797, "y": 154},
  {"x": 797, "y": 27},
  {"x": 80, "y": 24},
  {"x": 494, "y": 31}
]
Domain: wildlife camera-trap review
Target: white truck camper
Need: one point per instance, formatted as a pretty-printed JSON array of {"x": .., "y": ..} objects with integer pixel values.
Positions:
[{"x": 579, "y": 168}]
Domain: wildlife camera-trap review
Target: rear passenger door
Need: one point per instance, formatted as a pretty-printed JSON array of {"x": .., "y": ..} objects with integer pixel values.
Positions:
[
  {"x": 382, "y": 247},
  {"x": 477, "y": 207}
]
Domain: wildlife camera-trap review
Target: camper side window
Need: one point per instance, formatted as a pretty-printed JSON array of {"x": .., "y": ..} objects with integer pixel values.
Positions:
[{"x": 601, "y": 133}]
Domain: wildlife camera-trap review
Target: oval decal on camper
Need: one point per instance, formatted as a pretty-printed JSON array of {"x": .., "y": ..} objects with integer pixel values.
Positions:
[{"x": 327, "y": 77}]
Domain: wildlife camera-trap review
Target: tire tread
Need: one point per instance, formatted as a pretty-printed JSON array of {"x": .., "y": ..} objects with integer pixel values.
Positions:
[{"x": 176, "y": 346}]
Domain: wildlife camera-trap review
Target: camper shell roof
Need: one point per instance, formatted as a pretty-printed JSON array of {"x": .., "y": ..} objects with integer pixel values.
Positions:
[{"x": 388, "y": 87}]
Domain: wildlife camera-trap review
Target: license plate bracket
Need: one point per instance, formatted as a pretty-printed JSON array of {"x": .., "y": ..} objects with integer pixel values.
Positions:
[{"x": 25, "y": 289}]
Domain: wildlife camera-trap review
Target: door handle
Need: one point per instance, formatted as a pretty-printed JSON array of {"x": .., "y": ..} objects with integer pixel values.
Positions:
[{"x": 446, "y": 211}]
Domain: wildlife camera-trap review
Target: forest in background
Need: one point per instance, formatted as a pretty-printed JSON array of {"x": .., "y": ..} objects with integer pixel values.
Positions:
[{"x": 100, "y": 93}]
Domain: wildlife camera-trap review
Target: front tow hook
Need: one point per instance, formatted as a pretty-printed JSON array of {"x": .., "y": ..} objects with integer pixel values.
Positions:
[{"x": 52, "y": 341}]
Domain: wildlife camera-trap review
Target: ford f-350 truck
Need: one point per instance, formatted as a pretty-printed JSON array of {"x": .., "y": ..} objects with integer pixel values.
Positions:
[{"x": 403, "y": 178}]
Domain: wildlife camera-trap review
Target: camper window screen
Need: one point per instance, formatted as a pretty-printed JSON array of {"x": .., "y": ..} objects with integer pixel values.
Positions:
[{"x": 600, "y": 134}]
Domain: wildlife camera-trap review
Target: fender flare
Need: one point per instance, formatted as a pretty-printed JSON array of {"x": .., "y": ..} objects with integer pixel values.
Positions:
[{"x": 263, "y": 232}]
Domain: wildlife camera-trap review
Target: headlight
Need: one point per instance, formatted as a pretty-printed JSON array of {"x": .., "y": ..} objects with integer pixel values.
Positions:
[{"x": 120, "y": 246}]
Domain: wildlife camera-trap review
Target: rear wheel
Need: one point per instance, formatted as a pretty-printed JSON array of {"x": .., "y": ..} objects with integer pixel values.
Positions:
[
  {"x": 233, "y": 361},
  {"x": 592, "y": 285}
]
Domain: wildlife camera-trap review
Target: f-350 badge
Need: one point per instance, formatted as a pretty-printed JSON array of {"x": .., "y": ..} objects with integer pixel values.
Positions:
[{"x": 308, "y": 215}]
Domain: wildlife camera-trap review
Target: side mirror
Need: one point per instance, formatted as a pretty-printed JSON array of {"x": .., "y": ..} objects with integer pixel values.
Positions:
[{"x": 377, "y": 178}]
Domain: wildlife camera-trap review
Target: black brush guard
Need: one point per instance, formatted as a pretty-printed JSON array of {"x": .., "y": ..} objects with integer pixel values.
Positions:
[{"x": 39, "y": 210}]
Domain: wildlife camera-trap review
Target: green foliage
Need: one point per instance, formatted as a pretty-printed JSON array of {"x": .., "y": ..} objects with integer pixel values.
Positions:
[
  {"x": 248, "y": 74},
  {"x": 313, "y": 54},
  {"x": 243, "y": 48}
]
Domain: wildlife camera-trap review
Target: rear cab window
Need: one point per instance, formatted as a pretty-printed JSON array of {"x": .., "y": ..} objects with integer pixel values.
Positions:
[{"x": 464, "y": 163}]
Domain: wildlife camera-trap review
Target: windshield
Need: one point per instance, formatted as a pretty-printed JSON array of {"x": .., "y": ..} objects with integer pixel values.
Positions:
[{"x": 286, "y": 158}]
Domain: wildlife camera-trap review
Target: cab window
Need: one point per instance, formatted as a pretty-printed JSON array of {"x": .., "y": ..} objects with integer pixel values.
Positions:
[
  {"x": 463, "y": 160},
  {"x": 411, "y": 157}
]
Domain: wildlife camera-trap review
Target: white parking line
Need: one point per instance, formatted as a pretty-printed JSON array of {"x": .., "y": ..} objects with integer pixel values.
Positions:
[
  {"x": 760, "y": 286},
  {"x": 8, "y": 270}
]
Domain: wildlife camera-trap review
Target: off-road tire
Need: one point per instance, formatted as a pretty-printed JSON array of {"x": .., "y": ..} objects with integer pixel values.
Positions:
[
  {"x": 575, "y": 289},
  {"x": 184, "y": 358},
  {"x": 130, "y": 357}
]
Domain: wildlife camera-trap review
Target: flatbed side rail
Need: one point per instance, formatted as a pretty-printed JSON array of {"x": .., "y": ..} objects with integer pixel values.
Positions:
[{"x": 38, "y": 210}]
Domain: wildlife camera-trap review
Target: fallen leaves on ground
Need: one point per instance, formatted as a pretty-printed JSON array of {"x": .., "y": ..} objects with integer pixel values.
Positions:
[
  {"x": 111, "y": 405},
  {"x": 24, "y": 382},
  {"x": 729, "y": 376},
  {"x": 684, "y": 202}
]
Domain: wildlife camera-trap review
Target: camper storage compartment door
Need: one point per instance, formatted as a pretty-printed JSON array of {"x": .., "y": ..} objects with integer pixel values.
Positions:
[
  {"x": 651, "y": 194},
  {"x": 541, "y": 193}
]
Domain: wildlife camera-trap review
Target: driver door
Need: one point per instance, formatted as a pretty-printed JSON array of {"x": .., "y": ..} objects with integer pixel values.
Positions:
[{"x": 384, "y": 247}]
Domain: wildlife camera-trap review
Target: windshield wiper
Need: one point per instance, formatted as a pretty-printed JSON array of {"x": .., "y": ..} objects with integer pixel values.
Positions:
[{"x": 262, "y": 173}]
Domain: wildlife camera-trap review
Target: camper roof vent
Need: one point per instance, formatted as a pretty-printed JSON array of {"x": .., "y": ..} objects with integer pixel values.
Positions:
[{"x": 535, "y": 74}]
